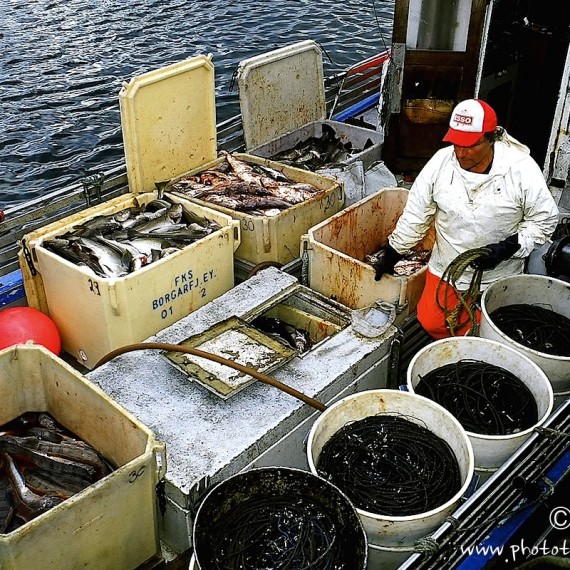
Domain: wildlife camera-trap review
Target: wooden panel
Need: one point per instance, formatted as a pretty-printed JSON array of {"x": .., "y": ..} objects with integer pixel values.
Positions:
[
  {"x": 431, "y": 81},
  {"x": 441, "y": 75}
]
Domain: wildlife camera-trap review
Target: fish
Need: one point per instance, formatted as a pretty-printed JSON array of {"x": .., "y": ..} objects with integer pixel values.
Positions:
[
  {"x": 28, "y": 504},
  {"x": 116, "y": 245},
  {"x": 292, "y": 194},
  {"x": 243, "y": 170},
  {"x": 267, "y": 171},
  {"x": 69, "y": 449},
  {"x": 59, "y": 465},
  {"x": 42, "y": 465},
  {"x": 166, "y": 219},
  {"x": 410, "y": 263},
  {"x": 285, "y": 333},
  {"x": 245, "y": 187},
  {"x": 132, "y": 257},
  {"x": 62, "y": 246},
  {"x": 97, "y": 225},
  {"x": 319, "y": 152},
  {"x": 41, "y": 483},
  {"x": 102, "y": 259}
]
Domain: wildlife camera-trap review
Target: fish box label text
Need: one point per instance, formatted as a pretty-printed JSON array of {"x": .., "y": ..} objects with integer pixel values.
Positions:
[{"x": 182, "y": 285}]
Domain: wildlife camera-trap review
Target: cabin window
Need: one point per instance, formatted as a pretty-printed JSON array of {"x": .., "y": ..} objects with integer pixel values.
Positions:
[{"x": 438, "y": 24}]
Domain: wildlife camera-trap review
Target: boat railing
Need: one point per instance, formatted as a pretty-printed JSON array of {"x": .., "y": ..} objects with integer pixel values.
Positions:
[{"x": 347, "y": 94}]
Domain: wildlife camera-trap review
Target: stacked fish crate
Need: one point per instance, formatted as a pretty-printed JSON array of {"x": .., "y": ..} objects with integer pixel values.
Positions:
[
  {"x": 169, "y": 128},
  {"x": 78, "y": 480},
  {"x": 169, "y": 132},
  {"x": 284, "y": 117}
]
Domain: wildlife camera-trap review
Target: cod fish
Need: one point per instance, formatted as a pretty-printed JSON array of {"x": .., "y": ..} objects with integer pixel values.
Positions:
[
  {"x": 118, "y": 244},
  {"x": 320, "y": 152},
  {"x": 285, "y": 333}
]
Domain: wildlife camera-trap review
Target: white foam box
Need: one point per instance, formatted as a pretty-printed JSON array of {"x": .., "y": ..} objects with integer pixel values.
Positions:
[
  {"x": 336, "y": 249},
  {"x": 111, "y": 524},
  {"x": 282, "y": 101},
  {"x": 168, "y": 117},
  {"x": 95, "y": 315},
  {"x": 277, "y": 238}
]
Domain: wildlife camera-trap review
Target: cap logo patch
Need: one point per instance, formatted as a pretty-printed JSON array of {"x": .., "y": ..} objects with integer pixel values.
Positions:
[{"x": 463, "y": 119}]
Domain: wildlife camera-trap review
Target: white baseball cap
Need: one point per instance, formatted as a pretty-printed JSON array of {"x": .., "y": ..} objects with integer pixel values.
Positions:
[{"x": 470, "y": 120}]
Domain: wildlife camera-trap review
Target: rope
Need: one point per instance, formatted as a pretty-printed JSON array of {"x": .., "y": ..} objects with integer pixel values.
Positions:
[
  {"x": 467, "y": 300},
  {"x": 426, "y": 544},
  {"x": 452, "y": 521},
  {"x": 549, "y": 431}
]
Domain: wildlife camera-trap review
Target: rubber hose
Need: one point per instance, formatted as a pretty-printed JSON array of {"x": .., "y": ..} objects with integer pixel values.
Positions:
[{"x": 221, "y": 360}]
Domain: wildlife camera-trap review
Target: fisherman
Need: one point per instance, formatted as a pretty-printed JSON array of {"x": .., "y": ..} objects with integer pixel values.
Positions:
[{"x": 483, "y": 191}]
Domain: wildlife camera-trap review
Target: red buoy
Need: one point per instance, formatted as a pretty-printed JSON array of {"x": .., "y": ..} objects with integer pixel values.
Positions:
[{"x": 19, "y": 325}]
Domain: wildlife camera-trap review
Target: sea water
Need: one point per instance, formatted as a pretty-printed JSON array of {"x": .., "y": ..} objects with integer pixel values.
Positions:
[{"x": 63, "y": 64}]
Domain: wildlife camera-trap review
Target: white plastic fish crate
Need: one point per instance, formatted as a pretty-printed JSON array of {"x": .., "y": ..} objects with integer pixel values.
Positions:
[
  {"x": 111, "y": 524},
  {"x": 336, "y": 249},
  {"x": 95, "y": 315},
  {"x": 278, "y": 238},
  {"x": 358, "y": 137},
  {"x": 168, "y": 118},
  {"x": 282, "y": 100}
]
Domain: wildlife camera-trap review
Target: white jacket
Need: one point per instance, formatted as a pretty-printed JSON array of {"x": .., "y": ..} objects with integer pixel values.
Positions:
[{"x": 472, "y": 210}]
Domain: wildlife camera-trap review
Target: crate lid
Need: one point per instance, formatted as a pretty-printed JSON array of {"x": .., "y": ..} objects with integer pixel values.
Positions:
[
  {"x": 168, "y": 119},
  {"x": 234, "y": 340},
  {"x": 281, "y": 91}
]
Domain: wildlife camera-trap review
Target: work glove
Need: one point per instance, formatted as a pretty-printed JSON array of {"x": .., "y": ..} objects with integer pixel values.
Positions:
[
  {"x": 498, "y": 252},
  {"x": 386, "y": 261}
]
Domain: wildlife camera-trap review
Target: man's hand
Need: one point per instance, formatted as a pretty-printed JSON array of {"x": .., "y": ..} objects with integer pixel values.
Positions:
[
  {"x": 497, "y": 252},
  {"x": 386, "y": 261}
]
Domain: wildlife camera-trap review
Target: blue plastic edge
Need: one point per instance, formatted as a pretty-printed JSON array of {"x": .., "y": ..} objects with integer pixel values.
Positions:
[
  {"x": 11, "y": 288},
  {"x": 357, "y": 108},
  {"x": 493, "y": 545}
]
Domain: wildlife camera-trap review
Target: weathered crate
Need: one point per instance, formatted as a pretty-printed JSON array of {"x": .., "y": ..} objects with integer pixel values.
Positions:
[
  {"x": 336, "y": 249},
  {"x": 282, "y": 100},
  {"x": 95, "y": 315},
  {"x": 111, "y": 524},
  {"x": 169, "y": 130}
]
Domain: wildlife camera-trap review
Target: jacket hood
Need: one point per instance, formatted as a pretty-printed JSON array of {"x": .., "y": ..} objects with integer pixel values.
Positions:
[{"x": 508, "y": 152}]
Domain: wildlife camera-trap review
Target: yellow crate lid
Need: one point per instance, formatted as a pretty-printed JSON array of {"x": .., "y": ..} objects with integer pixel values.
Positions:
[
  {"x": 168, "y": 119},
  {"x": 281, "y": 91}
]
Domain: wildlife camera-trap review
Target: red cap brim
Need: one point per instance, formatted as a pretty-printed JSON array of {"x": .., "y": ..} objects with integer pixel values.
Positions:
[{"x": 461, "y": 138}]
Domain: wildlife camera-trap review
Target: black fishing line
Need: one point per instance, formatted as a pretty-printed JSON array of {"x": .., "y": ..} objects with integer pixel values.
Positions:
[
  {"x": 535, "y": 327},
  {"x": 274, "y": 532},
  {"x": 484, "y": 398},
  {"x": 390, "y": 465}
]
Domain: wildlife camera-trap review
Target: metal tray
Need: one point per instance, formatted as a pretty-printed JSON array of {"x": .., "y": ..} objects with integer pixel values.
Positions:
[{"x": 235, "y": 340}]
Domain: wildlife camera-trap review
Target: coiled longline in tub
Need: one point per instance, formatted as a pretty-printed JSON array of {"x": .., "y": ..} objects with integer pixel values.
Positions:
[
  {"x": 221, "y": 360},
  {"x": 535, "y": 327},
  {"x": 390, "y": 465},
  {"x": 275, "y": 532},
  {"x": 484, "y": 398}
]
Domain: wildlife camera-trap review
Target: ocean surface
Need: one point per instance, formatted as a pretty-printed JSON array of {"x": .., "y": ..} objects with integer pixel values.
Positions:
[{"x": 63, "y": 63}]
